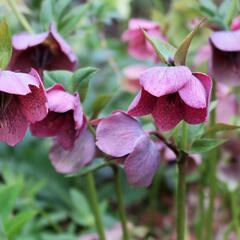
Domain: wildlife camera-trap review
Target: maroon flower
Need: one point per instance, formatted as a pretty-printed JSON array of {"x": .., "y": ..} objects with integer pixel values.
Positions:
[
  {"x": 43, "y": 51},
  {"x": 172, "y": 94},
  {"x": 74, "y": 145},
  {"x": 23, "y": 101},
  {"x": 120, "y": 135},
  {"x": 225, "y": 58},
  {"x": 139, "y": 47}
]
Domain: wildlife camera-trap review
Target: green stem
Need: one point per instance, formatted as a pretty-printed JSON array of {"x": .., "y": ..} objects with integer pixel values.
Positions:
[
  {"x": 117, "y": 182},
  {"x": 181, "y": 188},
  {"x": 212, "y": 176},
  {"x": 94, "y": 205},
  {"x": 235, "y": 212},
  {"x": 20, "y": 16}
]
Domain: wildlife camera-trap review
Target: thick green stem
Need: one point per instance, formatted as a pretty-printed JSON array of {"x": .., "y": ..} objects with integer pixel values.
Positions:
[
  {"x": 117, "y": 182},
  {"x": 94, "y": 205},
  {"x": 20, "y": 16},
  {"x": 181, "y": 188},
  {"x": 235, "y": 212},
  {"x": 212, "y": 176}
]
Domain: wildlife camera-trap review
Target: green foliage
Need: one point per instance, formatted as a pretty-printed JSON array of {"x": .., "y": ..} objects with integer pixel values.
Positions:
[{"x": 205, "y": 145}]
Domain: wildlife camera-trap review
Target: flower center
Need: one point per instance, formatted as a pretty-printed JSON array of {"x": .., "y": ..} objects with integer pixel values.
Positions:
[{"x": 5, "y": 100}]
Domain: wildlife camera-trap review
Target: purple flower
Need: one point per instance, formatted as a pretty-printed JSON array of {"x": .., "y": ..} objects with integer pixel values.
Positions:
[
  {"x": 43, "y": 51},
  {"x": 235, "y": 25},
  {"x": 74, "y": 146},
  {"x": 225, "y": 58},
  {"x": 139, "y": 47},
  {"x": 172, "y": 94},
  {"x": 120, "y": 135},
  {"x": 23, "y": 101}
]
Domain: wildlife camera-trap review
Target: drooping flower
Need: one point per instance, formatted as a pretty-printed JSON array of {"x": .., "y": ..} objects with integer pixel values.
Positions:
[
  {"x": 172, "y": 94},
  {"x": 74, "y": 145},
  {"x": 138, "y": 46},
  {"x": 43, "y": 51},
  {"x": 203, "y": 54},
  {"x": 120, "y": 135},
  {"x": 227, "y": 104},
  {"x": 225, "y": 57},
  {"x": 23, "y": 101},
  {"x": 235, "y": 25}
]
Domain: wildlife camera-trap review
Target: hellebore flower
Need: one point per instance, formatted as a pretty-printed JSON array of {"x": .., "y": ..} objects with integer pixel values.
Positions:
[
  {"x": 227, "y": 104},
  {"x": 172, "y": 94},
  {"x": 73, "y": 145},
  {"x": 203, "y": 54},
  {"x": 43, "y": 51},
  {"x": 120, "y": 135},
  {"x": 224, "y": 64},
  {"x": 23, "y": 101},
  {"x": 235, "y": 24},
  {"x": 139, "y": 47}
]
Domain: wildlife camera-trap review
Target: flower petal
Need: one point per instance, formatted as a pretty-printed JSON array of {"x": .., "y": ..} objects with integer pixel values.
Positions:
[
  {"x": 168, "y": 112},
  {"x": 13, "y": 124},
  {"x": 34, "y": 104},
  {"x": 17, "y": 83},
  {"x": 194, "y": 94},
  {"x": 160, "y": 81},
  {"x": 142, "y": 163},
  {"x": 117, "y": 135},
  {"x": 70, "y": 161},
  {"x": 142, "y": 104}
]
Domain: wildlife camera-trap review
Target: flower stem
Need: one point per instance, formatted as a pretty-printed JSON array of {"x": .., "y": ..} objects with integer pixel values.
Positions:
[
  {"x": 235, "y": 212},
  {"x": 94, "y": 205},
  {"x": 212, "y": 175},
  {"x": 181, "y": 188},
  {"x": 20, "y": 16},
  {"x": 122, "y": 214}
]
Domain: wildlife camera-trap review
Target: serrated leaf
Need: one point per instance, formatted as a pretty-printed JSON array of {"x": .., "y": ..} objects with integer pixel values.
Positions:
[
  {"x": 163, "y": 50},
  {"x": 230, "y": 11},
  {"x": 80, "y": 80},
  {"x": 99, "y": 103},
  {"x": 220, "y": 127},
  {"x": 14, "y": 225},
  {"x": 181, "y": 53},
  {"x": 59, "y": 76},
  {"x": 5, "y": 44},
  {"x": 205, "y": 145}
]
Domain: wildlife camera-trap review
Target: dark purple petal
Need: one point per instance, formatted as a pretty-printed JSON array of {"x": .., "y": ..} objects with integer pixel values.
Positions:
[
  {"x": 117, "y": 135},
  {"x": 142, "y": 163}
]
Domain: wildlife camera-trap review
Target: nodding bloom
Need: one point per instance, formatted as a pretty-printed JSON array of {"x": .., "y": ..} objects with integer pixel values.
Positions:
[
  {"x": 225, "y": 57},
  {"x": 172, "y": 94},
  {"x": 74, "y": 145},
  {"x": 43, "y": 51},
  {"x": 120, "y": 135},
  {"x": 138, "y": 46},
  {"x": 235, "y": 25},
  {"x": 22, "y": 101},
  {"x": 227, "y": 104}
]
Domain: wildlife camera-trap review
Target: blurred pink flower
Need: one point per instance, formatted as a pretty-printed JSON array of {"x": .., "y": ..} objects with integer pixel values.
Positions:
[
  {"x": 138, "y": 46},
  {"x": 23, "y": 101},
  {"x": 120, "y": 135},
  {"x": 225, "y": 57},
  {"x": 131, "y": 80},
  {"x": 203, "y": 54},
  {"x": 73, "y": 146},
  {"x": 235, "y": 23},
  {"x": 172, "y": 94},
  {"x": 227, "y": 104},
  {"x": 43, "y": 51}
]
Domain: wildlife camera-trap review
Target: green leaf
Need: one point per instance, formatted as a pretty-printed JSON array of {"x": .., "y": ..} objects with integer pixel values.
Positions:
[
  {"x": 59, "y": 76},
  {"x": 220, "y": 127},
  {"x": 5, "y": 44},
  {"x": 15, "y": 225},
  {"x": 208, "y": 6},
  {"x": 8, "y": 197},
  {"x": 46, "y": 14},
  {"x": 82, "y": 212},
  {"x": 163, "y": 50},
  {"x": 99, "y": 103},
  {"x": 181, "y": 53},
  {"x": 96, "y": 164},
  {"x": 205, "y": 145},
  {"x": 2, "y": 231},
  {"x": 80, "y": 80},
  {"x": 230, "y": 11}
]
